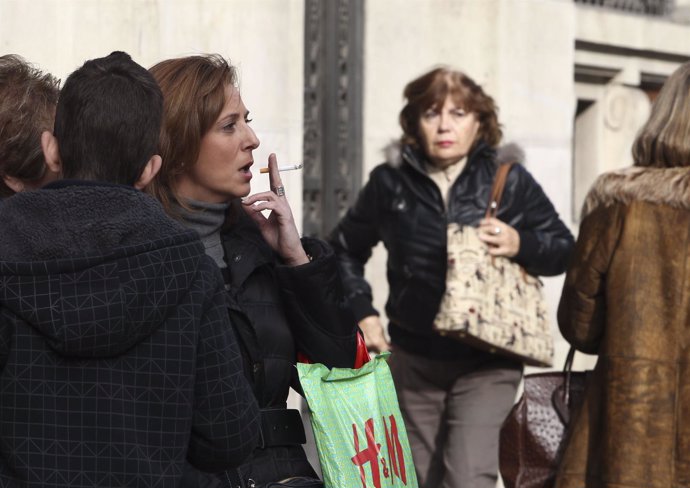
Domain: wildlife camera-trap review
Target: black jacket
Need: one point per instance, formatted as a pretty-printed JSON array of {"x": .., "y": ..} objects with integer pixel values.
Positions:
[
  {"x": 280, "y": 311},
  {"x": 403, "y": 208},
  {"x": 117, "y": 359}
]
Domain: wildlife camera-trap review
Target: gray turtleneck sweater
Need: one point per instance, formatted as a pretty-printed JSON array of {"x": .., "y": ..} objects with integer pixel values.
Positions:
[{"x": 206, "y": 219}]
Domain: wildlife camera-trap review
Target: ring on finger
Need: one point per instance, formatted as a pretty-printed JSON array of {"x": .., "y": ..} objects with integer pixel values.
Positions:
[
  {"x": 279, "y": 190},
  {"x": 497, "y": 230}
]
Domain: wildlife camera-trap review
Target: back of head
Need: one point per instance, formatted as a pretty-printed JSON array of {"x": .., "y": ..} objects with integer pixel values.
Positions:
[
  {"x": 664, "y": 140},
  {"x": 27, "y": 108},
  {"x": 193, "y": 97},
  {"x": 108, "y": 120},
  {"x": 431, "y": 90}
]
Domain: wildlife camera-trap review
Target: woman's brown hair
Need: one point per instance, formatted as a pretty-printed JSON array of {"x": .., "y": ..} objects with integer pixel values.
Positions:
[
  {"x": 431, "y": 90},
  {"x": 193, "y": 97},
  {"x": 664, "y": 140},
  {"x": 28, "y": 98}
]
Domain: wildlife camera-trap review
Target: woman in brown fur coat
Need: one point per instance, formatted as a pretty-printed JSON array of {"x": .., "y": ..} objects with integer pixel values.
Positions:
[{"x": 627, "y": 298}]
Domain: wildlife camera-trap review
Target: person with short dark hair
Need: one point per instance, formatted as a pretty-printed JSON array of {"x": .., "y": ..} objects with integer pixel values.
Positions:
[
  {"x": 89, "y": 117},
  {"x": 117, "y": 359},
  {"x": 453, "y": 396},
  {"x": 28, "y": 97}
]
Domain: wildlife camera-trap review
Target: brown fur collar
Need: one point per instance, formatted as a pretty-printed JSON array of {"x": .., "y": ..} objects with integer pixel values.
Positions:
[{"x": 668, "y": 186}]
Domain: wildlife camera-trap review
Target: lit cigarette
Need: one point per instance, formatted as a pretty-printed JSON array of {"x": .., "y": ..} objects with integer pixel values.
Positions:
[{"x": 283, "y": 168}]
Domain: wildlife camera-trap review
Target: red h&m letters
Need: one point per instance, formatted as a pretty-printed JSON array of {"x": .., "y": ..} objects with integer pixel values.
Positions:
[{"x": 372, "y": 453}]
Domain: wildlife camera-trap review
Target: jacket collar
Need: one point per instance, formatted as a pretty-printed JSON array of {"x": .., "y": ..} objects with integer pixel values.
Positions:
[
  {"x": 397, "y": 153},
  {"x": 244, "y": 247},
  {"x": 67, "y": 182},
  {"x": 667, "y": 186}
]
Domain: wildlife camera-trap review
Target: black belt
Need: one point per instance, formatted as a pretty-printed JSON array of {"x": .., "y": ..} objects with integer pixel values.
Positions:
[{"x": 281, "y": 427}]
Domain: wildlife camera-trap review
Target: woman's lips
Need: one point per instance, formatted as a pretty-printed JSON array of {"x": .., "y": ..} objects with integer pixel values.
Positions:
[{"x": 246, "y": 171}]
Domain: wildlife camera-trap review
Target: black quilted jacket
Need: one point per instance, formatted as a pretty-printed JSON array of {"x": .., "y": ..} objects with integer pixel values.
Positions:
[
  {"x": 287, "y": 310},
  {"x": 402, "y": 207},
  {"x": 116, "y": 357}
]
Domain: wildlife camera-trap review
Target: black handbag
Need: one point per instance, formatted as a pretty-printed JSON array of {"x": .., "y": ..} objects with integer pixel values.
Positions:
[{"x": 533, "y": 435}]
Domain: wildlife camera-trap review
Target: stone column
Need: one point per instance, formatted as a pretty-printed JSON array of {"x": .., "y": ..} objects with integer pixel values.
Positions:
[{"x": 604, "y": 133}]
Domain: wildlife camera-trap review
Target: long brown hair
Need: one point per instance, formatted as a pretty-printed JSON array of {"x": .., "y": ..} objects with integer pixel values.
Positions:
[
  {"x": 193, "y": 98},
  {"x": 664, "y": 140},
  {"x": 431, "y": 90}
]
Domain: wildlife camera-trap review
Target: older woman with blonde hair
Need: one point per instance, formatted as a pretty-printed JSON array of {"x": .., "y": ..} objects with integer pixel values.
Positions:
[
  {"x": 626, "y": 298},
  {"x": 453, "y": 396}
]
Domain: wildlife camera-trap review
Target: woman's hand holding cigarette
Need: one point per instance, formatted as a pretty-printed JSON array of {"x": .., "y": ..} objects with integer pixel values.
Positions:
[{"x": 278, "y": 229}]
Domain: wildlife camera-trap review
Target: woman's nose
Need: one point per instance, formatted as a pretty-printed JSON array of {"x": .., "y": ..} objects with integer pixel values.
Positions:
[
  {"x": 443, "y": 122},
  {"x": 252, "y": 141}
]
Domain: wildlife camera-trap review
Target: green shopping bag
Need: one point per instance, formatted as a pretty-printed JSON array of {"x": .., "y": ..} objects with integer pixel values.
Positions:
[{"x": 359, "y": 431}]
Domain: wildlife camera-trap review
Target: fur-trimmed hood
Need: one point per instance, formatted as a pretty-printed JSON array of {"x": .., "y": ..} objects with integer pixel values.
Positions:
[
  {"x": 507, "y": 152},
  {"x": 668, "y": 186}
]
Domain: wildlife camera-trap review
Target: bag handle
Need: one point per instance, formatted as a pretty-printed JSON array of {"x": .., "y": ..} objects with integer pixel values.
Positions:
[
  {"x": 497, "y": 189},
  {"x": 496, "y": 194},
  {"x": 561, "y": 399},
  {"x": 361, "y": 354}
]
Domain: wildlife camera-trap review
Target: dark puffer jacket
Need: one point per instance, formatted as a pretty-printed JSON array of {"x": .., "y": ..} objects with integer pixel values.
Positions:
[
  {"x": 403, "y": 208},
  {"x": 280, "y": 311},
  {"x": 117, "y": 361}
]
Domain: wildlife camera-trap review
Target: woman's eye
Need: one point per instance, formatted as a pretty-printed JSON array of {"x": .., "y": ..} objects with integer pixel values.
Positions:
[
  {"x": 459, "y": 113},
  {"x": 248, "y": 121},
  {"x": 229, "y": 127},
  {"x": 430, "y": 114}
]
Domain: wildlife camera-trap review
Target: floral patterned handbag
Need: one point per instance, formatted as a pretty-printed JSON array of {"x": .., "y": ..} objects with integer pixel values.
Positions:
[{"x": 491, "y": 302}]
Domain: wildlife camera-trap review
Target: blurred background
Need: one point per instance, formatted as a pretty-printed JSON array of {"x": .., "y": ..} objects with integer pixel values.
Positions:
[{"x": 323, "y": 79}]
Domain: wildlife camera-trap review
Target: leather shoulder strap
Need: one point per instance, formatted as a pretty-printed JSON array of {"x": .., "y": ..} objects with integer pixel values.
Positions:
[{"x": 497, "y": 189}]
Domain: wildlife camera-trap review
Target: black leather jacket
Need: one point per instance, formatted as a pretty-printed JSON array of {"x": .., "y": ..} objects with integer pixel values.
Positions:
[{"x": 403, "y": 208}]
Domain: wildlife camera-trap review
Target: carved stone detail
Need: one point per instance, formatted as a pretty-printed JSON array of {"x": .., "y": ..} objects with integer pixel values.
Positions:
[{"x": 332, "y": 111}]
